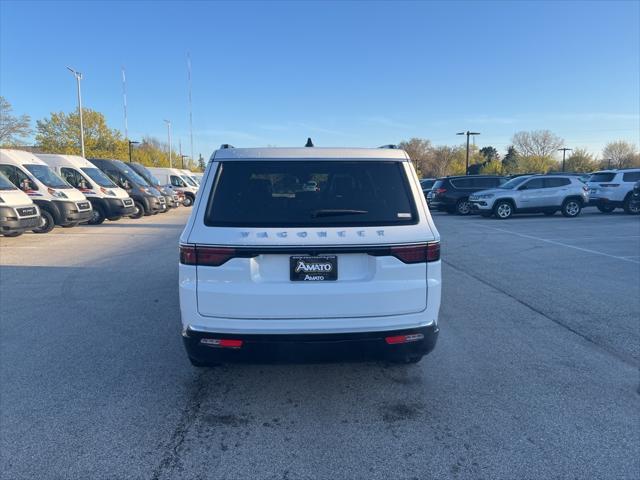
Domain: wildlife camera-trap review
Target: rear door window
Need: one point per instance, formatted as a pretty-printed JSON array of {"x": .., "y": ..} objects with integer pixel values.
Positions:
[
  {"x": 556, "y": 182},
  {"x": 631, "y": 177},
  {"x": 462, "y": 183},
  {"x": 279, "y": 194}
]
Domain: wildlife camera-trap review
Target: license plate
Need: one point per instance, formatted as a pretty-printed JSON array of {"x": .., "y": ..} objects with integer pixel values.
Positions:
[{"x": 313, "y": 269}]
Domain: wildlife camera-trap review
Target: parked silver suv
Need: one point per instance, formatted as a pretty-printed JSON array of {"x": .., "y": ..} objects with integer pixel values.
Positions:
[
  {"x": 533, "y": 194},
  {"x": 611, "y": 189}
]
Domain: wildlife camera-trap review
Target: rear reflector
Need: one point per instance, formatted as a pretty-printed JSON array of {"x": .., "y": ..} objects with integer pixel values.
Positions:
[
  {"x": 221, "y": 342},
  {"x": 428, "y": 252},
  {"x": 414, "y": 337},
  {"x": 205, "y": 256}
]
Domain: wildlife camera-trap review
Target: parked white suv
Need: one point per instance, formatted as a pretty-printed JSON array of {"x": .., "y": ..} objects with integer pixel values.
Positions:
[
  {"x": 272, "y": 270},
  {"x": 611, "y": 189},
  {"x": 533, "y": 194}
]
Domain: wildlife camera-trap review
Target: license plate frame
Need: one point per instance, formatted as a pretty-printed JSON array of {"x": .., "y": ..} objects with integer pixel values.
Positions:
[{"x": 313, "y": 268}]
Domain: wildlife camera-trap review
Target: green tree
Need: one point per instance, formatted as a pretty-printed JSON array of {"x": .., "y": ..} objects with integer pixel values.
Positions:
[
  {"x": 493, "y": 167},
  {"x": 536, "y": 164},
  {"x": 61, "y": 134},
  {"x": 13, "y": 129},
  {"x": 510, "y": 160},
  {"x": 489, "y": 153},
  {"x": 580, "y": 161}
]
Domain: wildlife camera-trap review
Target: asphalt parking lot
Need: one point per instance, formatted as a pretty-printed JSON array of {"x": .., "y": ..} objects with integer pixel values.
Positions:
[{"x": 535, "y": 374}]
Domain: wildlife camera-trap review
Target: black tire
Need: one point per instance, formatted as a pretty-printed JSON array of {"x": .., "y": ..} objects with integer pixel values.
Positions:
[
  {"x": 631, "y": 207},
  {"x": 463, "y": 207},
  {"x": 47, "y": 223},
  {"x": 139, "y": 213},
  {"x": 188, "y": 201},
  {"x": 606, "y": 208},
  {"x": 549, "y": 213},
  {"x": 12, "y": 234},
  {"x": 571, "y": 208},
  {"x": 98, "y": 217},
  {"x": 114, "y": 219},
  {"x": 503, "y": 209}
]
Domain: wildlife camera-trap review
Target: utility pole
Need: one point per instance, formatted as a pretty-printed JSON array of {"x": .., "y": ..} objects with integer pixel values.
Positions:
[
  {"x": 468, "y": 134},
  {"x": 168, "y": 122},
  {"x": 131, "y": 143},
  {"x": 190, "y": 104},
  {"x": 564, "y": 151},
  {"x": 124, "y": 104},
  {"x": 78, "y": 76}
]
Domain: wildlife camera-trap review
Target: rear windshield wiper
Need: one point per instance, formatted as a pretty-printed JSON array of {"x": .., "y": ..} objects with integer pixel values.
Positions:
[{"x": 334, "y": 212}]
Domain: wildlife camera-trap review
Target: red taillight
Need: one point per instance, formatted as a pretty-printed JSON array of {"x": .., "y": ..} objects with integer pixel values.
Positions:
[
  {"x": 440, "y": 191},
  {"x": 205, "y": 256},
  {"x": 428, "y": 252},
  {"x": 188, "y": 255},
  {"x": 414, "y": 337},
  {"x": 221, "y": 342}
]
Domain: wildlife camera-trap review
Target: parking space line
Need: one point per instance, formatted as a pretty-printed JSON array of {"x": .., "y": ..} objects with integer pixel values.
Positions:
[{"x": 554, "y": 242}]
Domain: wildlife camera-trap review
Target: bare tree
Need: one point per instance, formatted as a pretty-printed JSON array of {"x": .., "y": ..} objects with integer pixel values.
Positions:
[
  {"x": 12, "y": 128},
  {"x": 447, "y": 161},
  {"x": 537, "y": 143},
  {"x": 622, "y": 154}
]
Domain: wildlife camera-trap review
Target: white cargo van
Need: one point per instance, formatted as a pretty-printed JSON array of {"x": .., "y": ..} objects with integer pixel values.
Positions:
[
  {"x": 189, "y": 174},
  {"x": 178, "y": 181},
  {"x": 59, "y": 202},
  {"x": 107, "y": 199},
  {"x": 270, "y": 269},
  {"x": 17, "y": 212}
]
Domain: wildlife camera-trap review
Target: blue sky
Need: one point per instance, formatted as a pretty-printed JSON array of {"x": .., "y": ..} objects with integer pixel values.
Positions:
[{"x": 357, "y": 74}]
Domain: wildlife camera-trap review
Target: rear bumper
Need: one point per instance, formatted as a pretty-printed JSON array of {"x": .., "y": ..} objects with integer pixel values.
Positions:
[
  {"x": 300, "y": 348},
  {"x": 603, "y": 201}
]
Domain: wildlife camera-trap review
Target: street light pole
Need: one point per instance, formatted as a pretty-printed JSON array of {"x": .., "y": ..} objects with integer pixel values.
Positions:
[
  {"x": 78, "y": 76},
  {"x": 131, "y": 142},
  {"x": 168, "y": 122},
  {"x": 468, "y": 134},
  {"x": 564, "y": 152}
]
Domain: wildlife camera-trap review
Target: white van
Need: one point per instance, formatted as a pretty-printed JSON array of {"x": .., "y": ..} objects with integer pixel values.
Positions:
[
  {"x": 178, "y": 181},
  {"x": 273, "y": 270},
  {"x": 189, "y": 174},
  {"x": 17, "y": 212},
  {"x": 59, "y": 202},
  {"x": 107, "y": 199}
]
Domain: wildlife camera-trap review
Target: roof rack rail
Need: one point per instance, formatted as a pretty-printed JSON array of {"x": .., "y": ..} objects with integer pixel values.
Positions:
[
  {"x": 224, "y": 146},
  {"x": 391, "y": 146}
]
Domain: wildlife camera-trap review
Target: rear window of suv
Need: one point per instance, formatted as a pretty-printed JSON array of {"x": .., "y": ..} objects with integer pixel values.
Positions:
[
  {"x": 310, "y": 194},
  {"x": 602, "y": 177}
]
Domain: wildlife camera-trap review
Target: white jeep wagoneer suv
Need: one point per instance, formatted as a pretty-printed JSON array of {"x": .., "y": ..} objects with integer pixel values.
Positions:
[{"x": 273, "y": 270}]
